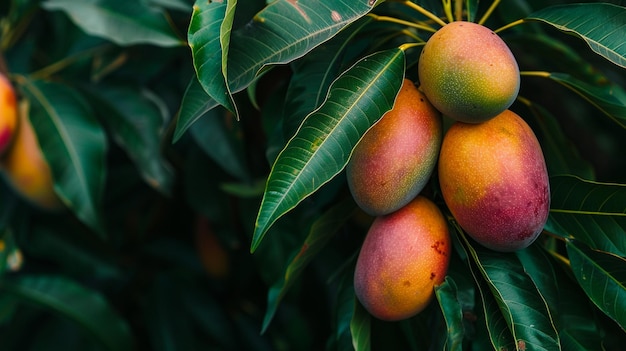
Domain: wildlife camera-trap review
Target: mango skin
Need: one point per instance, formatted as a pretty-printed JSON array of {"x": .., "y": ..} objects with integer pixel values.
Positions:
[
  {"x": 394, "y": 160},
  {"x": 468, "y": 73},
  {"x": 8, "y": 113},
  {"x": 25, "y": 168},
  {"x": 403, "y": 257},
  {"x": 494, "y": 180}
]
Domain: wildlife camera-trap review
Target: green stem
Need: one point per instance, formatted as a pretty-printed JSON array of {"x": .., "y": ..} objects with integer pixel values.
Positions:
[
  {"x": 458, "y": 10},
  {"x": 512, "y": 24},
  {"x": 405, "y": 47},
  {"x": 61, "y": 64},
  {"x": 447, "y": 9},
  {"x": 542, "y": 74},
  {"x": 493, "y": 6},
  {"x": 424, "y": 12},
  {"x": 403, "y": 22},
  {"x": 412, "y": 35}
]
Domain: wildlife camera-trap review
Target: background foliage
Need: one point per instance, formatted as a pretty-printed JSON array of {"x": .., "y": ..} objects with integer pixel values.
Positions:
[{"x": 183, "y": 135}]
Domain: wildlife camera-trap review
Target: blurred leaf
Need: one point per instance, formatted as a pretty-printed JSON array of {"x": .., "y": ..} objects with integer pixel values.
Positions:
[
  {"x": 610, "y": 98},
  {"x": 323, "y": 144},
  {"x": 137, "y": 126},
  {"x": 195, "y": 104},
  {"x": 450, "y": 305},
  {"x": 561, "y": 154},
  {"x": 84, "y": 306},
  {"x": 181, "y": 5},
  {"x": 471, "y": 7},
  {"x": 122, "y": 22},
  {"x": 313, "y": 74},
  {"x": 592, "y": 212},
  {"x": 209, "y": 39},
  {"x": 322, "y": 230},
  {"x": 220, "y": 137},
  {"x": 603, "y": 277},
  {"x": 360, "y": 327},
  {"x": 602, "y": 26},
  {"x": 520, "y": 302},
  {"x": 74, "y": 145}
]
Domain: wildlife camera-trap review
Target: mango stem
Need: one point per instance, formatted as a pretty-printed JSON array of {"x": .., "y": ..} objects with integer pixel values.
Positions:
[
  {"x": 493, "y": 6},
  {"x": 512, "y": 24},
  {"x": 403, "y": 22},
  {"x": 425, "y": 12}
]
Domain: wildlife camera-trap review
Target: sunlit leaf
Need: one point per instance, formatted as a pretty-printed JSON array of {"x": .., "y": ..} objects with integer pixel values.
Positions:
[
  {"x": 603, "y": 277},
  {"x": 610, "y": 98},
  {"x": 324, "y": 142},
  {"x": 360, "y": 327},
  {"x": 209, "y": 38},
  {"x": 592, "y": 212},
  {"x": 74, "y": 145},
  {"x": 122, "y": 22},
  {"x": 602, "y": 26},
  {"x": 137, "y": 125},
  {"x": 322, "y": 230},
  {"x": 86, "y": 307}
]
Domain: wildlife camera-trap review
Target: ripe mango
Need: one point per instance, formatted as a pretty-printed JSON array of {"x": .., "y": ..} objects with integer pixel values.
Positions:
[
  {"x": 8, "y": 113},
  {"x": 394, "y": 160},
  {"x": 468, "y": 72},
  {"x": 25, "y": 168},
  {"x": 404, "y": 256},
  {"x": 494, "y": 180}
]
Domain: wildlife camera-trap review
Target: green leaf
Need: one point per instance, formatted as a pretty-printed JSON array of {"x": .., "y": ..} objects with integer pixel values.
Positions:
[
  {"x": 322, "y": 230},
  {"x": 137, "y": 125},
  {"x": 602, "y": 26},
  {"x": 603, "y": 277},
  {"x": 122, "y": 22},
  {"x": 209, "y": 37},
  {"x": 560, "y": 153},
  {"x": 73, "y": 144},
  {"x": 520, "y": 302},
  {"x": 609, "y": 98},
  {"x": 195, "y": 104},
  {"x": 323, "y": 144},
  {"x": 360, "y": 327},
  {"x": 450, "y": 305},
  {"x": 591, "y": 212},
  {"x": 86, "y": 307}
]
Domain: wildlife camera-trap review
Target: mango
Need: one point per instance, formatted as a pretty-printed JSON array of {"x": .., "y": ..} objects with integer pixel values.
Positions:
[
  {"x": 8, "y": 113},
  {"x": 468, "y": 72},
  {"x": 395, "y": 158},
  {"x": 404, "y": 256},
  {"x": 25, "y": 168},
  {"x": 494, "y": 180}
]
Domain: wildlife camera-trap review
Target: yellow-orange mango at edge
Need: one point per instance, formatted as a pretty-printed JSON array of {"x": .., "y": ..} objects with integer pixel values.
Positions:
[
  {"x": 8, "y": 113},
  {"x": 25, "y": 168},
  {"x": 494, "y": 180},
  {"x": 404, "y": 256},
  {"x": 394, "y": 160}
]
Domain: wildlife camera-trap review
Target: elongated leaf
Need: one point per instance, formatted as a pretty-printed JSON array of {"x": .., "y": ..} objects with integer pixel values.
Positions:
[
  {"x": 137, "y": 126},
  {"x": 323, "y": 144},
  {"x": 84, "y": 306},
  {"x": 321, "y": 232},
  {"x": 592, "y": 212},
  {"x": 610, "y": 99},
  {"x": 195, "y": 104},
  {"x": 602, "y": 26},
  {"x": 360, "y": 328},
  {"x": 74, "y": 145},
  {"x": 524, "y": 308},
  {"x": 446, "y": 294},
  {"x": 209, "y": 37},
  {"x": 603, "y": 277}
]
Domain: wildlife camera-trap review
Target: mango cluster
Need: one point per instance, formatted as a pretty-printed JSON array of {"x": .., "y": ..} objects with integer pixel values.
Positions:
[
  {"x": 490, "y": 168},
  {"x": 22, "y": 162}
]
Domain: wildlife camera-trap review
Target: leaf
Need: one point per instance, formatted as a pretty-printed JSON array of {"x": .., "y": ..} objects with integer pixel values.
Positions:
[
  {"x": 360, "y": 327},
  {"x": 209, "y": 37},
  {"x": 610, "y": 98},
  {"x": 446, "y": 294},
  {"x": 122, "y": 22},
  {"x": 195, "y": 104},
  {"x": 86, "y": 307},
  {"x": 520, "y": 302},
  {"x": 137, "y": 125},
  {"x": 322, "y": 230},
  {"x": 591, "y": 212},
  {"x": 73, "y": 144},
  {"x": 602, "y": 26},
  {"x": 324, "y": 142},
  {"x": 603, "y": 277}
]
